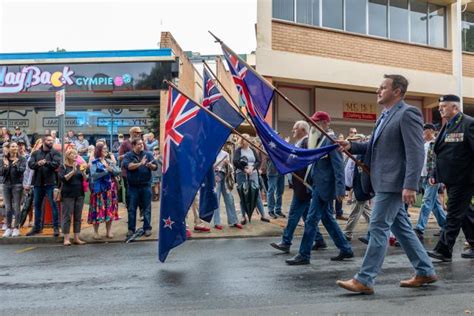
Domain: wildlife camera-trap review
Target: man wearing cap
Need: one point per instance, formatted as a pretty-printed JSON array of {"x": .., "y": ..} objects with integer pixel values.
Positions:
[
  {"x": 328, "y": 184},
  {"x": 430, "y": 196},
  {"x": 395, "y": 156},
  {"x": 454, "y": 149},
  {"x": 20, "y": 136}
]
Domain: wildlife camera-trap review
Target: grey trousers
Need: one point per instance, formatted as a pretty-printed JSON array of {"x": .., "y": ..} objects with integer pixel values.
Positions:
[
  {"x": 358, "y": 209},
  {"x": 72, "y": 207},
  {"x": 12, "y": 195}
]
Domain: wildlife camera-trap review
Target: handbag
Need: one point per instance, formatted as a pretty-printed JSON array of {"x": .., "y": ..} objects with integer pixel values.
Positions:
[{"x": 85, "y": 185}]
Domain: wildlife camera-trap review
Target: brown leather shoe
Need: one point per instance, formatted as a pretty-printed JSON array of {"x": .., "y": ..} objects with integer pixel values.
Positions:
[
  {"x": 355, "y": 286},
  {"x": 418, "y": 281}
]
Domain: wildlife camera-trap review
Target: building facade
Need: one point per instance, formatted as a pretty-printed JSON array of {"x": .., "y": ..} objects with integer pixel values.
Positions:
[
  {"x": 331, "y": 55},
  {"x": 107, "y": 92}
]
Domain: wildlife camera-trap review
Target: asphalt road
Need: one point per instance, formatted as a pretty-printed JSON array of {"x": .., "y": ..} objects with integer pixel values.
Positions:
[{"x": 215, "y": 277}]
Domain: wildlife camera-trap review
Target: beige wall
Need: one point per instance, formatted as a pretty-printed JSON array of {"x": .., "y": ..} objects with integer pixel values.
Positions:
[{"x": 320, "y": 57}]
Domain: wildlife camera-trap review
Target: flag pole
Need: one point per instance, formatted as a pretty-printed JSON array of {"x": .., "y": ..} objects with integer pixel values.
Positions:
[
  {"x": 228, "y": 94},
  {"x": 359, "y": 163},
  {"x": 223, "y": 122}
]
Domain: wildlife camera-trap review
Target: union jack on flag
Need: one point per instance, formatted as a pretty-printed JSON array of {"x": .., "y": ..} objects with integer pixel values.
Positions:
[
  {"x": 256, "y": 93},
  {"x": 178, "y": 113},
  {"x": 211, "y": 93}
]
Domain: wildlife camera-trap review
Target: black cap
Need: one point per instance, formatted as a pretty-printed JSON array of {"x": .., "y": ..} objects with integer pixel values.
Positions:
[
  {"x": 20, "y": 141},
  {"x": 17, "y": 128},
  {"x": 449, "y": 98},
  {"x": 429, "y": 126}
]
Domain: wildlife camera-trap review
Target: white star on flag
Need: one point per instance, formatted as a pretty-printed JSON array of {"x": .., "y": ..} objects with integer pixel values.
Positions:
[
  {"x": 291, "y": 157},
  {"x": 272, "y": 145},
  {"x": 168, "y": 223}
]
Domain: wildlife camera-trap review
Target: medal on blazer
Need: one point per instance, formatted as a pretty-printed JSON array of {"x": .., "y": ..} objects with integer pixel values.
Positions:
[{"x": 454, "y": 138}]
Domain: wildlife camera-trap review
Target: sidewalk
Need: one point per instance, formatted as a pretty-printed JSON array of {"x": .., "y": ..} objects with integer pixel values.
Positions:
[{"x": 256, "y": 228}]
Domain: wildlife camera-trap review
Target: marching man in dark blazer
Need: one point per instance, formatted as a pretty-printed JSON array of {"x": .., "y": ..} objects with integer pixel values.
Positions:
[
  {"x": 454, "y": 149},
  {"x": 395, "y": 155}
]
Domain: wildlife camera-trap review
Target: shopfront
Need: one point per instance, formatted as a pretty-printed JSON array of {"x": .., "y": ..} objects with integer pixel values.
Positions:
[
  {"x": 106, "y": 92},
  {"x": 347, "y": 108}
]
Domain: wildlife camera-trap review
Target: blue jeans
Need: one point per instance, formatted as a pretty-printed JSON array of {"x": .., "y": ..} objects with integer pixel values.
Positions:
[
  {"x": 389, "y": 214},
  {"x": 39, "y": 194},
  {"x": 139, "y": 196},
  {"x": 336, "y": 207},
  {"x": 320, "y": 210},
  {"x": 228, "y": 201},
  {"x": 298, "y": 209},
  {"x": 431, "y": 203},
  {"x": 276, "y": 186}
]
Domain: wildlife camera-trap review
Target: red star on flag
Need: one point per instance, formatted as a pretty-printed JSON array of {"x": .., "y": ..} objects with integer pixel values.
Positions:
[{"x": 168, "y": 223}]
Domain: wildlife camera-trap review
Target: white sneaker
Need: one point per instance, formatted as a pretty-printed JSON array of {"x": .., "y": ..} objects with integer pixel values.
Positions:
[
  {"x": 7, "y": 233},
  {"x": 16, "y": 232},
  {"x": 4, "y": 227}
]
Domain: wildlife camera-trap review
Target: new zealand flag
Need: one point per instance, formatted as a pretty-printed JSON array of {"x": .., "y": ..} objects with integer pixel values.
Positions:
[{"x": 193, "y": 140}]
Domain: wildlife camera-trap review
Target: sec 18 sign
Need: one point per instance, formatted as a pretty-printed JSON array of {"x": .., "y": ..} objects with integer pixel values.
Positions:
[{"x": 60, "y": 102}]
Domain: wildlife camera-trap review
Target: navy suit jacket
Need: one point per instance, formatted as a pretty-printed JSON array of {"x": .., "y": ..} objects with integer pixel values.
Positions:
[{"x": 328, "y": 175}]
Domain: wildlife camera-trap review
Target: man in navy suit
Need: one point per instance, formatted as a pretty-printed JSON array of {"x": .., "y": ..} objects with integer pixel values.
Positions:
[
  {"x": 328, "y": 184},
  {"x": 395, "y": 155}
]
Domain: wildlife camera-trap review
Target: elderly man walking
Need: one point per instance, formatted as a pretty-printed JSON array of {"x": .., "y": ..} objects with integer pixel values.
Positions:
[
  {"x": 454, "y": 149},
  {"x": 395, "y": 156}
]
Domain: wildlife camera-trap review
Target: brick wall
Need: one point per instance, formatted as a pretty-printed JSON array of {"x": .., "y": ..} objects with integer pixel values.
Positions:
[
  {"x": 334, "y": 44},
  {"x": 186, "y": 71},
  {"x": 468, "y": 65}
]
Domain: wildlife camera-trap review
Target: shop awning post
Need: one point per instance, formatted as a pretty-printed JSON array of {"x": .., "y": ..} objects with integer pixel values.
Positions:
[{"x": 60, "y": 112}]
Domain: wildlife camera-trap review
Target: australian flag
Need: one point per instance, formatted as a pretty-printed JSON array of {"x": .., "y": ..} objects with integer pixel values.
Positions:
[
  {"x": 257, "y": 95},
  {"x": 193, "y": 140}
]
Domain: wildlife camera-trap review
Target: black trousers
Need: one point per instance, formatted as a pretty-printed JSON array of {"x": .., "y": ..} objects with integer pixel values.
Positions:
[{"x": 460, "y": 216}]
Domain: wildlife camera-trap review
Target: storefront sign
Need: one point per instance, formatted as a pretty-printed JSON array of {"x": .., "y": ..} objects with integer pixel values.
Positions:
[
  {"x": 60, "y": 102},
  {"x": 123, "y": 121},
  {"x": 360, "y": 111},
  {"x": 68, "y": 122},
  {"x": 15, "y": 122},
  {"x": 32, "y": 76}
]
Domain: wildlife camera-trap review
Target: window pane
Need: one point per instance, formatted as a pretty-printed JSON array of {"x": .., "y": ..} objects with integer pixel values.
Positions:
[
  {"x": 332, "y": 14},
  {"x": 356, "y": 16},
  {"x": 468, "y": 31},
  {"x": 437, "y": 17},
  {"x": 307, "y": 12},
  {"x": 399, "y": 20},
  {"x": 378, "y": 17},
  {"x": 284, "y": 9},
  {"x": 418, "y": 19}
]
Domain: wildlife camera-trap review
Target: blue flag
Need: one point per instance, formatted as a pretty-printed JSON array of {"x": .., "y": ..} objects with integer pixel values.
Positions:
[
  {"x": 193, "y": 140},
  {"x": 257, "y": 95},
  {"x": 214, "y": 101}
]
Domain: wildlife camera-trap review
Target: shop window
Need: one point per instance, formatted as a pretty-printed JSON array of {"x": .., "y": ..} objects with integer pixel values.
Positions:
[
  {"x": 307, "y": 12},
  {"x": 436, "y": 18},
  {"x": 284, "y": 9},
  {"x": 333, "y": 14},
  {"x": 468, "y": 31},
  {"x": 356, "y": 15},
  {"x": 286, "y": 115},
  {"x": 378, "y": 17},
  {"x": 418, "y": 21},
  {"x": 399, "y": 20}
]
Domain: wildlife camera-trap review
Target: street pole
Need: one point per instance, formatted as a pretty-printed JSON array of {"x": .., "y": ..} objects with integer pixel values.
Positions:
[
  {"x": 458, "y": 52},
  {"x": 61, "y": 131}
]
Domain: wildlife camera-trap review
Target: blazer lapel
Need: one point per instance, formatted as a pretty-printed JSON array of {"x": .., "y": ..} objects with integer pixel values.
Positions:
[{"x": 389, "y": 117}]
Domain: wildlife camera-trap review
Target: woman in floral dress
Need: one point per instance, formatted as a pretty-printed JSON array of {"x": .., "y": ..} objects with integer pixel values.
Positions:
[{"x": 103, "y": 199}]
